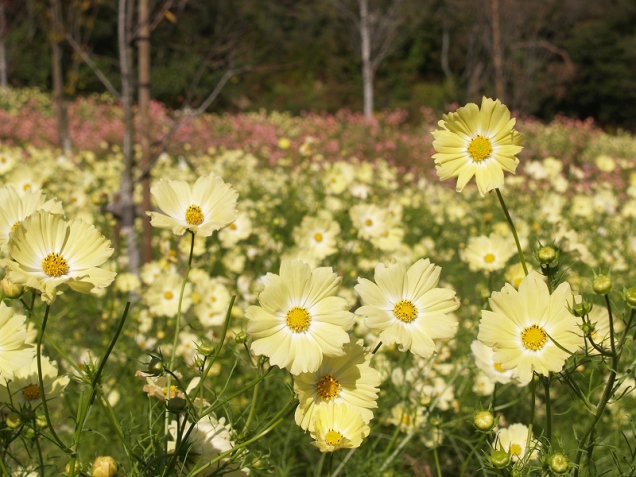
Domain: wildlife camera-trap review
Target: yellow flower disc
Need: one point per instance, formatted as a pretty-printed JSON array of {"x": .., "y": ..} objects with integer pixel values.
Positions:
[
  {"x": 54, "y": 265},
  {"x": 328, "y": 387},
  {"x": 168, "y": 295},
  {"x": 26, "y": 187},
  {"x": 534, "y": 337},
  {"x": 232, "y": 226},
  {"x": 15, "y": 226},
  {"x": 194, "y": 215},
  {"x": 31, "y": 392},
  {"x": 489, "y": 258},
  {"x": 498, "y": 367},
  {"x": 405, "y": 311},
  {"x": 318, "y": 237},
  {"x": 173, "y": 391},
  {"x": 480, "y": 148},
  {"x": 333, "y": 438},
  {"x": 515, "y": 449},
  {"x": 298, "y": 319},
  {"x": 368, "y": 222}
]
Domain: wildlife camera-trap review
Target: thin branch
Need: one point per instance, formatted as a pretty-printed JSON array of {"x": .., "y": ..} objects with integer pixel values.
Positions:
[
  {"x": 551, "y": 48},
  {"x": 186, "y": 118},
  {"x": 87, "y": 59}
]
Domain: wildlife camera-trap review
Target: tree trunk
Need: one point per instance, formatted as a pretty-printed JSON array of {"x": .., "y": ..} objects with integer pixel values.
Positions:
[
  {"x": 144, "y": 123},
  {"x": 57, "y": 35},
  {"x": 367, "y": 70},
  {"x": 126, "y": 195},
  {"x": 496, "y": 50},
  {"x": 3, "y": 55}
]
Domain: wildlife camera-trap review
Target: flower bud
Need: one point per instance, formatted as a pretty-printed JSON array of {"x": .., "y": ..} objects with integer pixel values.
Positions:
[
  {"x": 77, "y": 468},
  {"x": 176, "y": 404},
  {"x": 499, "y": 459},
  {"x": 241, "y": 338},
  {"x": 602, "y": 284},
  {"x": 40, "y": 421},
  {"x": 581, "y": 309},
  {"x": 547, "y": 255},
  {"x": 10, "y": 289},
  {"x": 105, "y": 466},
  {"x": 484, "y": 421},
  {"x": 206, "y": 349},
  {"x": 558, "y": 463},
  {"x": 630, "y": 297},
  {"x": 155, "y": 367},
  {"x": 588, "y": 328},
  {"x": 13, "y": 420}
]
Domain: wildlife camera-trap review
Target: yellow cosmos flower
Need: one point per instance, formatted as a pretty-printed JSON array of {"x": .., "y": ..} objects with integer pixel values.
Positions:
[
  {"x": 348, "y": 379},
  {"x": 522, "y": 324},
  {"x": 488, "y": 253},
  {"x": 207, "y": 206},
  {"x": 407, "y": 307},
  {"x": 338, "y": 426},
  {"x": 513, "y": 440},
  {"x": 15, "y": 208},
  {"x": 23, "y": 389},
  {"x": 300, "y": 319},
  {"x": 477, "y": 142},
  {"x": 15, "y": 352},
  {"x": 47, "y": 252}
]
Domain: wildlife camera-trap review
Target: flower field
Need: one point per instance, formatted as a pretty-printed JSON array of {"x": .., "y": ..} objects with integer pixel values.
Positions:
[{"x": 314, "y": 282}]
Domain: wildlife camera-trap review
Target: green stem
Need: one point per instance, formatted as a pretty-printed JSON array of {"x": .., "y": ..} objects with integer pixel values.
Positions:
[
  {"x": 5, "y": 472},
  {"x": 329, "y": 464},
  {"x": 45, "y": 406},
  {"x": 472, "y": 452},
  {"x": 437, "y": 466},
  {"x": 176, "y": 337},
  {"x": 548, "y": 407},
  {"x": 514, "y": 231},
  {"x": 250, "y": 416},
  {"x": 37, "y": 445}
]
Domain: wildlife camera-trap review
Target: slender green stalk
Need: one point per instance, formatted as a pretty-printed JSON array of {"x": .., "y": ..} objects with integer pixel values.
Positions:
[
  {"x": 530, "y": 425},
  {"x": 329, "y": 464},
  {"x": 472, "y": 452},
  {"x": 513, "y": 230},
  {"x": 250, "y": 416},
  {"x": 344, "y": 461},
  {"x": 37, "y": 445},
  {"x": 45, "y": 406},
  {"x": 176, "y": 338},
  {"x": 5, "y": 472},
  {"x": 437, "y": 466},
  {"x": 548, "y": 407}
]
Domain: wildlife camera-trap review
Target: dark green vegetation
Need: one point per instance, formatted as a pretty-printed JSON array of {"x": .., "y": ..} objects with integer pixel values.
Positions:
[{"x": 572, "y": 57}]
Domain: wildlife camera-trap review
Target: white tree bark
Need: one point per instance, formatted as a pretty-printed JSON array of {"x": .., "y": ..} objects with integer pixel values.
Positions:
[{"x": 367, "y": 69}]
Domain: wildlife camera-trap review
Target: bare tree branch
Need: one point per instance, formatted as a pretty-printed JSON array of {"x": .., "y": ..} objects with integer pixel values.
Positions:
[
  {"x": 551, "y": 48},
  {"x": 186, "y": 118},
  {"x": 87, "y": 59}
]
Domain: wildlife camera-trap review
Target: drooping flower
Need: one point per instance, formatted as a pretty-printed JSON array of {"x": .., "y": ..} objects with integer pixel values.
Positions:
[
  {"x": 300, "y": 319},
  {"x": 349, "y": 379},
  {"x": 338, "y": 426},
  {"x": 47, "y": 252},
  {"x": 477, "y": 142},
  {"x": 523, "y": 324},
  {"x": 15, "y": 352},
  {"x": 407, "y": 307},
  {"x": 207, "y": 206}
]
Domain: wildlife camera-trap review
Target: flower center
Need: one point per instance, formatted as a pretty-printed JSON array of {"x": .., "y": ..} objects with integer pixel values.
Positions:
[
  {"x": 173, "y": 391},
  {"x": 328, "y": 387},
  {"x": 489, "y": 258},
  {"x": 194, "y": 215},
  {"x": 498, "y": 367},
  {"x": 15, "y": 226},
  {"x": 298, "y": 319},
  {"x": 480, "y": 148},
  {"x": 515, "y": 449},
  {"x": 405, "y": 311},
  {"x": 26, "y": 187},
  {"x": 168, "y": 295},
  {"x": 3, "y": 159},
  {"x": 318, "y": 237},
  {"x": 333, "y": 438},
  {"x": 31, "y": 392},
  {"x": 232, "y": 226},
  {"x": 534, "y": 337},
  {"x": 368, "y": 222},
  {"x": 54, "y": 265}
]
